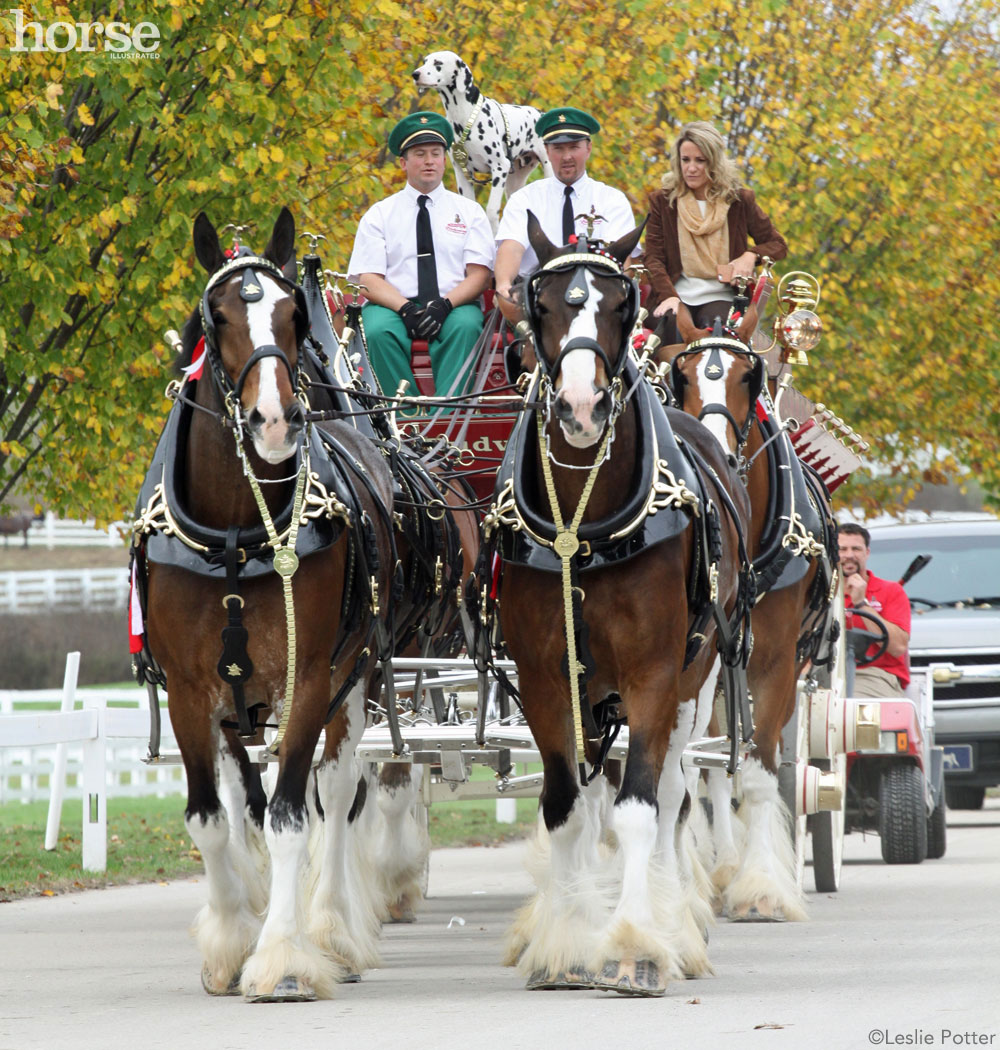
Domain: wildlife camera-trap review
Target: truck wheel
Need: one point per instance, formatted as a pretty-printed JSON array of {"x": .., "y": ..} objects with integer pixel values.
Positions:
[
  {"x": 937, "y": 831},
  {"x": 962, "y": 796},
  {"x": 902, "y": 817}
]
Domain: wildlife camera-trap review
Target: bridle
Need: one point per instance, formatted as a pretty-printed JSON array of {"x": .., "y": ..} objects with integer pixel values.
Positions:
[
  {"x": 251, "y": 291},
  {"x": 586, "y": 257},
  {"x": 714, "y": 345}
]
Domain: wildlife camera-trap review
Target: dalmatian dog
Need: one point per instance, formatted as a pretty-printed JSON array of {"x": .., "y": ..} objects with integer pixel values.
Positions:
[{"x": 500, "y": 147}]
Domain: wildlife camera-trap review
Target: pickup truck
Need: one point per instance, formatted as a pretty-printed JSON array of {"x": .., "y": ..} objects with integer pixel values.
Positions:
[{"x": 955, "y": 600}]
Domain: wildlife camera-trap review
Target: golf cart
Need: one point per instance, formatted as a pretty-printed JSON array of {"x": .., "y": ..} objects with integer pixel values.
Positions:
[{"x": 897, "y": 788}]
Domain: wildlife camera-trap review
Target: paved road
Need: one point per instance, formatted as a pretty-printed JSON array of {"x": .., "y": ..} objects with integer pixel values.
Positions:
[{"x": 898, "y": 957}]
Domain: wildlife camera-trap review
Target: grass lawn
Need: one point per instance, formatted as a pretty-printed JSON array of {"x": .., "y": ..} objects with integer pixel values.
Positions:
[{"x": 147, "y": 842}]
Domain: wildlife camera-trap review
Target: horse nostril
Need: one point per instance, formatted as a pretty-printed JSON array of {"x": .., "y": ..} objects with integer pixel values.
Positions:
[
  {"x": 563, "y": 409},
  {"x": 294, "y": 416},
  {"x": 255, "y": 420},
  {"x": 603, "y": 407}
]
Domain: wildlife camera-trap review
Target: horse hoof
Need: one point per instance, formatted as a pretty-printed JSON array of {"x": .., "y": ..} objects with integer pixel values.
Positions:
[
  {"x": 757, "y": 913},
  {"x": 233, "y": 988},
  {"x": 351, "y": 978},
  {"x": 401, "y": 911},
  {"x": 288, "y": 990},
  {"x": 564, "y": 980},
  {"x": 639, "y": 977}
]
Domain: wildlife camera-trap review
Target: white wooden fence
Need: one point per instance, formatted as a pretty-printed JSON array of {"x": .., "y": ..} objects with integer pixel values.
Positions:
[
  {"x": 52, "y": 533},
  {"x": 87, "y": 754},
  {"x": 86, "y": 589}
]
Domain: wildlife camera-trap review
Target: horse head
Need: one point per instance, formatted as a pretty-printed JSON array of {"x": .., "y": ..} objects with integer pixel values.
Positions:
[
  {"x": 718, "y": 379},
  {"x": 582, "y": 307},
  {"x": 254, "y": 319}
]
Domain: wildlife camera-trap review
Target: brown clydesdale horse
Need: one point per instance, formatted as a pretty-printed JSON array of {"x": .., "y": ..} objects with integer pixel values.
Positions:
[
  {"x": 717, "y": 379},
  {"x": 609, "y": 918},
  {"x": 281, "y": 922}
]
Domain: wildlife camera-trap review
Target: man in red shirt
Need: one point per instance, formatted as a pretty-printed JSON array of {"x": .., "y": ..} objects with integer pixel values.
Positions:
[{"x": 887, "y": 603}]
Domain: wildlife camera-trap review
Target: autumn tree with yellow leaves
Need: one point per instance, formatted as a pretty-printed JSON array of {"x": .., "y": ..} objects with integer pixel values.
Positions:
[{"x": 869, "y": 131}]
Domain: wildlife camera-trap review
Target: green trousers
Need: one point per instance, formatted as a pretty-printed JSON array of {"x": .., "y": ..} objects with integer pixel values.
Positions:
[{"x": 389, "y": 349}]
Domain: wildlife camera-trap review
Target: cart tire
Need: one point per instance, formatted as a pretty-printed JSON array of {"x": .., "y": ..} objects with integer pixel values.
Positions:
[
  {"x": 827, "y": 831},
  {"x": 422, "y": 815},
  {"x": 795, "y": 745},
  {"x": 902, "y": 818},
  {"x": 964, "y": 796},
  {"x": 937, "y": 831}
]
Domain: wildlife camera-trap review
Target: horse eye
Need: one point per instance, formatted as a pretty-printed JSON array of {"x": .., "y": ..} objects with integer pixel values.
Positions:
[{"x": 217, "y": 319}]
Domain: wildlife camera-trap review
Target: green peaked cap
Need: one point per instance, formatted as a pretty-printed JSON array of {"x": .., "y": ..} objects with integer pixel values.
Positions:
[
  {"x": 565, "y": 124},
  {"x": 419, "y": 129}
]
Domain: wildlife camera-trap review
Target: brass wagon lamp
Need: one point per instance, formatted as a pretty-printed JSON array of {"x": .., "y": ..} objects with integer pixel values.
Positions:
[{"x": 797, "y": 327}]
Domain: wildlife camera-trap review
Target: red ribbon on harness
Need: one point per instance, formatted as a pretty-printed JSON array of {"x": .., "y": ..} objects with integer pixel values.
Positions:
[
  {"x": 136, "y": 628},
  {"x": 495, "y": 574},
  {"x": 197, "y": 366}
]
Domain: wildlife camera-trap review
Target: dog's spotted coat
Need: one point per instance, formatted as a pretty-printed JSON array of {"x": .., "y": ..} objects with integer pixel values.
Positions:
[{"x": 502, "y": 142}]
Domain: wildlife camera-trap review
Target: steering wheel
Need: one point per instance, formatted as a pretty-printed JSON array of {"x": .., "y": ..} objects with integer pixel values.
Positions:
[{"x": 861, "y": 641}]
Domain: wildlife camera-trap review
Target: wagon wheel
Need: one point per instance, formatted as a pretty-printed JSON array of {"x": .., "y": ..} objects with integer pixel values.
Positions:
[
  {"x": 827, "y": 831},
  {"x": 795, "y": 745},
  {"x": 827, "y": 827}
]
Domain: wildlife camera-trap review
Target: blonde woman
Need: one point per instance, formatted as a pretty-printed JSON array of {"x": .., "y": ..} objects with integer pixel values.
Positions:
[{"x": 698, "y": 230}]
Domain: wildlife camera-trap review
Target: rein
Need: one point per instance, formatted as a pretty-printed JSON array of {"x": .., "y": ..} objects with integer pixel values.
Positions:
[
  {"x": 581, "y": 260},
  {"x": 286, "y": 561},
  {"x": 566, "y": 544}
]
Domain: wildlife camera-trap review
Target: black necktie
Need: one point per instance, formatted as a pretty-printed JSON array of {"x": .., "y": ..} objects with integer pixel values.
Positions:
[
  {"x": 427, "y": 280},
  {"x": 569, "y": 226}
]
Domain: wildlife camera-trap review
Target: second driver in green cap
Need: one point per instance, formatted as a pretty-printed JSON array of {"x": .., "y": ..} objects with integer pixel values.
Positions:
[{"x": 562, "y": 204}]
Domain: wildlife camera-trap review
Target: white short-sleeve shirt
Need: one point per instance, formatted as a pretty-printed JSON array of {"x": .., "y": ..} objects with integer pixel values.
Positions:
[
  {"x": 545, "y": 198},
  {"x": 386, "y": 241}
]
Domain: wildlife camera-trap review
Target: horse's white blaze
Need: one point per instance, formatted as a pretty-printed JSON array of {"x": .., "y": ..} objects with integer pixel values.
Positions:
[
  {"x": 713, "y": 391},
  {"x": 578, "y": 373},
  {"x": 271, "y": 441}
]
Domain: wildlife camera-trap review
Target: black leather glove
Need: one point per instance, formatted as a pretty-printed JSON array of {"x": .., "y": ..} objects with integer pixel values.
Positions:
[
  {"x": 411, "y": 313},
  {"x": 435, "y": 313}
]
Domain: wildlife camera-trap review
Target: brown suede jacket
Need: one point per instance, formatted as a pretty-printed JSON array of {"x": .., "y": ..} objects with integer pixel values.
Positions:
[{"x": 663, "y": 254}]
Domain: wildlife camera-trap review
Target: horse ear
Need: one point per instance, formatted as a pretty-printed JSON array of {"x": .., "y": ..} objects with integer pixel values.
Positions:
[
  {"x": 624, "y": 246},
  {"x": 544, "y": 248},
  {"x": 281, "y": 247},
  {"x": 206, "y": 244}
]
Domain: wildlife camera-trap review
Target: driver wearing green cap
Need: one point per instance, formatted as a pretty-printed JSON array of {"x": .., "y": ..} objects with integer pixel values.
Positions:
[
  {"x": 563, "y": 204},
  {"x": 424, "y": 255}
]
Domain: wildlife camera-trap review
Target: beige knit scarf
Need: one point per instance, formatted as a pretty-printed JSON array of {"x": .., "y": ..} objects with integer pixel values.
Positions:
[{"x": 704, "y": 240}]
